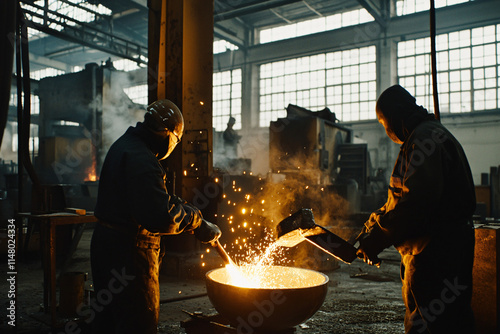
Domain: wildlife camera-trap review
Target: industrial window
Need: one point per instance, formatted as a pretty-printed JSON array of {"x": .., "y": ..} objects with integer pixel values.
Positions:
[
  {"x": 226, "y": 98},
  {"x": 34, "y": 102},
  {"x": 405, "y": 7},
  {"x": 46, "y": 72},
  {"x": 308, "y": 27},
  {"x": 343, "y": 81},
  {"x": 138, "y": 94},
  {"x": 468, "y": 63},
  {"x": 221, "y": 46},
  {"x": 68, "y": 12},
  {"x": 125, "y": 65}
]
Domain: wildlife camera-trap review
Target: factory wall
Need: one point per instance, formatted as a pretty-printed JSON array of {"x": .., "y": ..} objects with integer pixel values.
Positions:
[
  {"x": 477, "y": 131},
  {"x": 478, "y": 134}
]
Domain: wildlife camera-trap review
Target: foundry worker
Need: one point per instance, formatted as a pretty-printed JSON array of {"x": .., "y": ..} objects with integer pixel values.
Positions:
[
  {"x": 134, "y": 210},
  {"x": 427, "y": 217},
  {"x": 231, "y": 138}
]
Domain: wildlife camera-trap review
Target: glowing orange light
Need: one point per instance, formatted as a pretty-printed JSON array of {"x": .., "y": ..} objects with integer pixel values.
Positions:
[
  {"x": 185, "y": 173},
  {"x": 202, "y": 103},
  {"x": 208, "y": 250},
  {"x": 243, "y": 211},
  {"x": 216, "y": 180}
]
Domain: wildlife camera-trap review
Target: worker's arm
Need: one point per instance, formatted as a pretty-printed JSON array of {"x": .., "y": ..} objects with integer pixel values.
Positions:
[
  {"x": 418, "y": 187},
  {"x": 151, "y": 206}
]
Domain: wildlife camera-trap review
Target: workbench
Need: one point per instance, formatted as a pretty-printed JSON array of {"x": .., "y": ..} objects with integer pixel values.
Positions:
[{"x": 48, "y": 223}]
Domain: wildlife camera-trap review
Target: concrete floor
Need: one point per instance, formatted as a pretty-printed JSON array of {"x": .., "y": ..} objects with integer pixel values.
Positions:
[{"x": 361, "y": 298}]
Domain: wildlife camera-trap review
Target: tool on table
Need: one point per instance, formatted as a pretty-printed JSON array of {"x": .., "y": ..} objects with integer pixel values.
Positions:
[{"x": 301, "y": 226}]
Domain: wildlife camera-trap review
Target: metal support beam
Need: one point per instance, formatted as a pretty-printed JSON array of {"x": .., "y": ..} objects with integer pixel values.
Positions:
[
  {"x": 39, "y": 60},
  {"x": 250, "y": 9},
  {"x": 86, "y": 34},
  {"x": 374, "y": 11},
  {"x": 227, "y": 35}
]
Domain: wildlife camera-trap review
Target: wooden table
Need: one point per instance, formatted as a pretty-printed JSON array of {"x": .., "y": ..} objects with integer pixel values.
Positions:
[{"x": 48, "y": 223}]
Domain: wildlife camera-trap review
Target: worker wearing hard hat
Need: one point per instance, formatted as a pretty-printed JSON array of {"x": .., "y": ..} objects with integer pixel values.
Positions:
[
  {"x": 134, "y": 210},
  {"x": 427, "y": 217}
]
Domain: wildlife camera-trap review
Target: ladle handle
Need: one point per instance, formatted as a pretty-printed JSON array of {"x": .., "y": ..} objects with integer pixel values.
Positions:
[{"x": 222, "y": 252}]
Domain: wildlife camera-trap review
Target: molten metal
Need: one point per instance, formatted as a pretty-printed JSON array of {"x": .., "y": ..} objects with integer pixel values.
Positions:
[{"x": 266, "y": 297}]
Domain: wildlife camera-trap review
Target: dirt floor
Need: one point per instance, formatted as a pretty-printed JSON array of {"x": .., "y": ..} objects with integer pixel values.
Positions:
[{"x": 360, "y": 299}]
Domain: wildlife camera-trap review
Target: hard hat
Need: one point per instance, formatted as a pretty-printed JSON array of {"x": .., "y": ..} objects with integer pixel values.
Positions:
[{"x": 164, "y": 115}]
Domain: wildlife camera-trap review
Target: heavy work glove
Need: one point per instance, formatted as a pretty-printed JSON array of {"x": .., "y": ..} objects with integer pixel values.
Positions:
[
  {"x": 370, "y": 245},
  {"x": 195, "y": 217},
  {"x": 207, "y": 232}
]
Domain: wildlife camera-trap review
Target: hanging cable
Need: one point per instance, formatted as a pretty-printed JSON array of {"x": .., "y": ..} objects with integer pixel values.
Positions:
[{"x": 434, "y": 61}]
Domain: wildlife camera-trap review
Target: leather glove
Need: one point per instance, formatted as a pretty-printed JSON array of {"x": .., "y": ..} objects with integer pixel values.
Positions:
[
  {"x": 195, "y": 217},
  {"x": 207, "y": 232},
  {"x": 370, "y": 245},
  {"x": 177, "y": 200}
]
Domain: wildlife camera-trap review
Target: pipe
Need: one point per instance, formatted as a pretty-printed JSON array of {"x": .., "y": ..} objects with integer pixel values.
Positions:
[
  {"x": 8, "y": 17},
  {"x": 24, "y": 107}
]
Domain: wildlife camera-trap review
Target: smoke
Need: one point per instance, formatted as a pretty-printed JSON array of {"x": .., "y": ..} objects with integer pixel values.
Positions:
[{"x": 118, "y": 111}]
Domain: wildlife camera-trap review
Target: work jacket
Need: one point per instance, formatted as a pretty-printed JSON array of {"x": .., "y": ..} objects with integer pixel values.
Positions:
[
  {"x": 132, "y": 191},
  {"x": 431, "y": 191}
]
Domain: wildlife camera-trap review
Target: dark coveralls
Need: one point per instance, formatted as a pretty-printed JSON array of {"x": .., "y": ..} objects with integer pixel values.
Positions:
[
  {"x": 427, "y": 217},
  {"x": 134, "y": 210}
]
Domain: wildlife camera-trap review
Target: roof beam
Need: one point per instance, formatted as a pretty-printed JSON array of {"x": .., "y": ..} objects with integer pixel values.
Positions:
[
  {"x": 44, "y": 61},
  {"x": 229, "y": 36},
  {"x": 374, "y": 11},
  {"x": 250, "y": 9}
]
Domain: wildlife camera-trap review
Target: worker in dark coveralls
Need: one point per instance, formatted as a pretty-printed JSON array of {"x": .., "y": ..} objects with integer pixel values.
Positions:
[
  {"x": 134, "y": 210},
  {"x": 231, "y": 139},
  {"x": 427, "y": 217}
]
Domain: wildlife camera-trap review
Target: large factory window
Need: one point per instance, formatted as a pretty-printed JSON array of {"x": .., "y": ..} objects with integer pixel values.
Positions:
[
  {"x": 138, "y": 94},
  {"x": 45, "y": 72},
  {"x": 79, "y": 10},
  {"x": 226, "y": 98},
  {"x": 344, "y": 81},
  {"x": 35, "y": 102},
  {"x": 405, "y": 7},
  {"x": 308, "y": 27},
  {"x": 468, "y": 68},
  {"x": 221, "y": 46}
]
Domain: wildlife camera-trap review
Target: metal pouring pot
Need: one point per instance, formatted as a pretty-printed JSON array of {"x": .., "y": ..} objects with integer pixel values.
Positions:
[{"x": 296, "y": 297}]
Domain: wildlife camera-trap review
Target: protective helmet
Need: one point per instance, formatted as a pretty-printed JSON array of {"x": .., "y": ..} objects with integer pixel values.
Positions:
[{"x": 164, "y": 115}]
